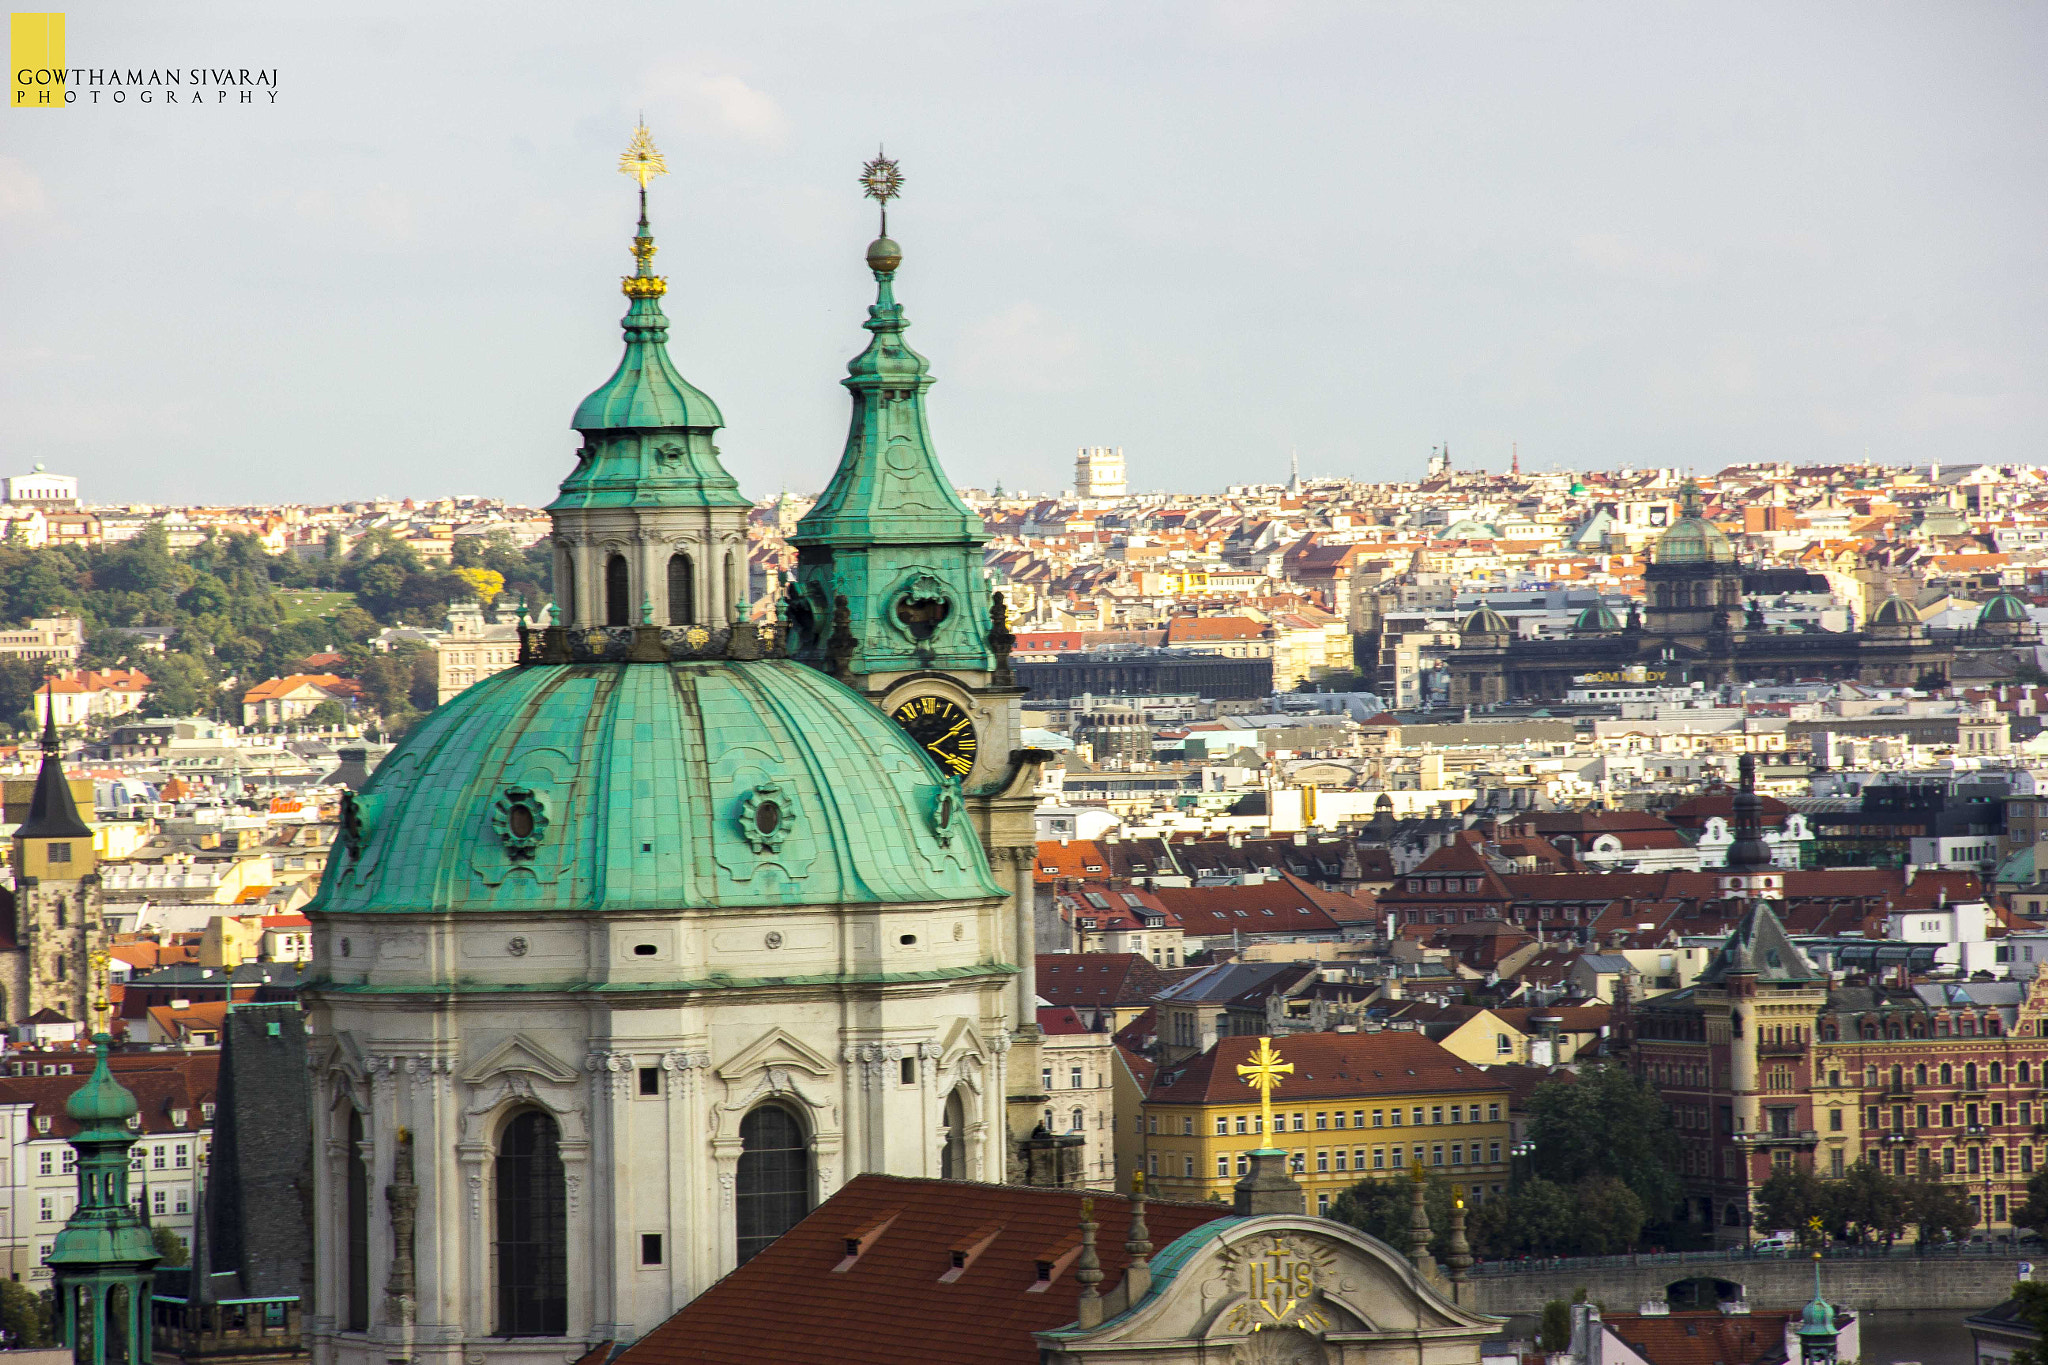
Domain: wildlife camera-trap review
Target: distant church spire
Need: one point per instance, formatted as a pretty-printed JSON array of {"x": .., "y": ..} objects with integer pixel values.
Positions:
[{"x": 106, "y": 1245}]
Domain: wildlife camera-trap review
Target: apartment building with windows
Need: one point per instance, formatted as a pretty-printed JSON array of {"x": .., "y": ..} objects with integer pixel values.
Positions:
[{"x": 1357, "y": 1106}]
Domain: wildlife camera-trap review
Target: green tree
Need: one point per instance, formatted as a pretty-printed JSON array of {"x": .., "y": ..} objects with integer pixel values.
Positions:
[
  {"x": 1942, "y": 1210},
  {"x": 170, "y": 1247},
  {"x": 2032, "y": 1312},
  {"x": 2034, "y": 1213},
  {"x": 1607, "y": 1123},
  {"x": 1554, "y": 1328},
  {"x": 1382, "y": 1208},
  {"x": 328, "y": 713},
  {"x": 19, "y": 679},
  {"x": 1866, "y": 1204},
  {"x": 1610, "y": 1217},
  {"x": 24, "y": 1316},
  {"x": 1787, "y": 1200},
  {"x": 180, "y": 684}
]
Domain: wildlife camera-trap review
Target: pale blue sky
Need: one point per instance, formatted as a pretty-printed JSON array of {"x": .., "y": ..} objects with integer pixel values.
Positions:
[{"x": 1650, "y": 233}]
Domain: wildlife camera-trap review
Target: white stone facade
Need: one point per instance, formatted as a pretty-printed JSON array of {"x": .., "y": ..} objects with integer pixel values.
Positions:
[{"x": 647, "y": 1073}]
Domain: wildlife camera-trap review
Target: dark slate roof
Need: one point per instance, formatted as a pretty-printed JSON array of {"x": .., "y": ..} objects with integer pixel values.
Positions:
[
  {"x": 259, "y": 1196},
  {"x": 52, "y": 814},
  {"x": 1758, "y": 944}
]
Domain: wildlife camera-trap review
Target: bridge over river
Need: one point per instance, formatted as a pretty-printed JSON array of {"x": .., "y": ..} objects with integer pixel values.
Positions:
[{"x": 1955, "y": 1278}]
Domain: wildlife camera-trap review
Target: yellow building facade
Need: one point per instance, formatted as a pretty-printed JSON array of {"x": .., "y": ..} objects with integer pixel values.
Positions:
[{"x": 1357, "y": 1106}]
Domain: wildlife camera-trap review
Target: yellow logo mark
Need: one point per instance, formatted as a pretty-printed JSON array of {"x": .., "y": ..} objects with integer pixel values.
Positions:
[{"x": 36, "y": 60}]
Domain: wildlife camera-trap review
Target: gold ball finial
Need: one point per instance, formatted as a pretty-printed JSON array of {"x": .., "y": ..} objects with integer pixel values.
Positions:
[{"x": 884, "y": 256}]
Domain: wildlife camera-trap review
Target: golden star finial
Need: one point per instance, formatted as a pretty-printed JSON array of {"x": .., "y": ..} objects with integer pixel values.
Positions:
[
  {"x": 642, "y": 159},
  {"x": 1262, "y": 1073}
]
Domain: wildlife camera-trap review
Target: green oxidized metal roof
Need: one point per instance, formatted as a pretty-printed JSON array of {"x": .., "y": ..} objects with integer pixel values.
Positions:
[
  {"x": 643, "y": 783},
  {"x": 2003, "y": 608},
  {"x": 889, "y": 486},
  {"x": 648, "y": 431}
]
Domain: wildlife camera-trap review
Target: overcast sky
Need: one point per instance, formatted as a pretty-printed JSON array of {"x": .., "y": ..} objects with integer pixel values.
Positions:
[{"x": 1619, "y": 233}]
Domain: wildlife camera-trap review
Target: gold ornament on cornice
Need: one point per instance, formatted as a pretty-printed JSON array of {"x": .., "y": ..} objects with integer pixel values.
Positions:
[{"x": 643, "y": 286}]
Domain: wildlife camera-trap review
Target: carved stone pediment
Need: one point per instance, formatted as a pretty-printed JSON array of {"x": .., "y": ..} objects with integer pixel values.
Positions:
[
  {"x": 775, "y": 1048},
  {"x": 519, "y": 1053},
  {"x": 1285, "y": 1289}
]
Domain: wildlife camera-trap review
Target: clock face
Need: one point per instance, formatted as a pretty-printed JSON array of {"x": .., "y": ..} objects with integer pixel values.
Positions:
[{"x": 946, "y": 731}]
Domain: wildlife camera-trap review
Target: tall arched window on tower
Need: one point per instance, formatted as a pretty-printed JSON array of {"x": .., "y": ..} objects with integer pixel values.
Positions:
[
  {"x": 774, "y": 1186},
  {"x": 533, "y": 1234},
  {"x": 682, "y": 591},
  {"x": 358, "y": 1230},
  {"x": 953, "y": 1160},
  {"x": 618, "y": 593},
  {"x": 565, "y": 592},
  {"x": 732, "y": 586}
]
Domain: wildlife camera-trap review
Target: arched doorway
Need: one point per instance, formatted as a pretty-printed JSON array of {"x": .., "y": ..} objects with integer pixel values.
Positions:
[
  {"x": 533, "y": 1229},
  {"x": 682, "y": 591},
  {"x": 953, "y": 1157},
  {"x": 618, "y": 593},
  {"x": 774, "y": 1180}
]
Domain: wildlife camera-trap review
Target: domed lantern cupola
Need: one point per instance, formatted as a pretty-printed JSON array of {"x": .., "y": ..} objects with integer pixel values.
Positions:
[{"x": 650, "y": 528}]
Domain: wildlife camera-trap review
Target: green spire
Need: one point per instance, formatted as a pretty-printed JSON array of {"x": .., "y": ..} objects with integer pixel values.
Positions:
[
  {"x": 888, "y": 486},
  {"x": 889, "y": 537},
  {"x": 106, "y": 1244},
  {"x": 647, "y": 429}
]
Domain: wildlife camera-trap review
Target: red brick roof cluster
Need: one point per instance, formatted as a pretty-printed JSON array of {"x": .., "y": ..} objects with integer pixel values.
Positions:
[{"x": 1326, "y": 1066}]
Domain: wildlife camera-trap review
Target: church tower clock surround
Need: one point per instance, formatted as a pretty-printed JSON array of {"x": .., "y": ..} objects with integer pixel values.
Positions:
[{"x": 891, "y": 595}]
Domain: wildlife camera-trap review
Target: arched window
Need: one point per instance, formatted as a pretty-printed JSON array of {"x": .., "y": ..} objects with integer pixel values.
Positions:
[
  {"x": 618, "y": 607},
  {"x": 1076, "y": 1121},
  {"x": 1998, "y": 1073},
  {"x": 533, "y": 1232},
  {"x": 2025, "y": 1073},
  {"x": 565, "y": 597},
  {"x": 1969, "y": 1075},
  {"x": 774, "y": 1185},
  {"x": 358, "y": 1231},
  {"x": 1920, "y": 1074},
  {"x": 732, "y": 586},
  {"x": 1948, "y": 1075},
  {"x": 953, "y": 1159},
  {"x": 682, "y": 591}
]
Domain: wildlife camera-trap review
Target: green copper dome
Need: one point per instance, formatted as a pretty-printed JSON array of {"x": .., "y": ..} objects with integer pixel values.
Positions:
[
  {"x": 1895, "y": 611},
  {"x": 102, "y": 1099},
  {"x": 2004, "y": 609},
  {"x": 1694, "y": 540},
  {"x": 643, "y": 786},
  {"x": 1596, "y": 619}
]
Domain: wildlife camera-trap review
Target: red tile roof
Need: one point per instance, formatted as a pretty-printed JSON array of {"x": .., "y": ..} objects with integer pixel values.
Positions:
[
  {"x": 1099, "y": 980},
  {"x": 1326, "y": 1066},
  {"x": 1295, "y": 908},
  {"x": 1703, "y": 1338},
  {"x": 165, "y": 1085},
  {"x": 891, "y": 1302}
]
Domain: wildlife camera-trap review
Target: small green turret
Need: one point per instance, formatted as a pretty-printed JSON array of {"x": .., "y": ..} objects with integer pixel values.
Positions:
[
  {"x": 104, "y": 1261},
  {"x": 1817, "y": 1330}
]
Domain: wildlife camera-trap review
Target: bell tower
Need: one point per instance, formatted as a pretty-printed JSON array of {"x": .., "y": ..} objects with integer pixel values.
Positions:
[
  {"x": 891, "y": 597},
  {"x": 650, "y": 529},
  {"x": 57, "y": 899}
]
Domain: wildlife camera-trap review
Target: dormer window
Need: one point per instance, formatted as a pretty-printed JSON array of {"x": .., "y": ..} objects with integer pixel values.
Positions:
[
  {"x": 206, "y": 1109},
  {"x": 178, "y": 1117},
  {"x": 42, "y": 1123}
]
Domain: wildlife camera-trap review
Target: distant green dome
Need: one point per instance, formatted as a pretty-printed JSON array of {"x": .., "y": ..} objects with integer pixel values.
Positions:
[
  {"x": 1485, "y": 621},
  {"x": 102, "y": 1099},
  {"x": 2004, "y": 609},
  {"x": 1596, "y": 619},
  {"x": 569, "y": 788},
  {"x": 1818, "y": 1318},
  {"x": 1895, "y": 611},
  {"x": 1577, "y": 489},
  {"x": 1694, "y": 540}
]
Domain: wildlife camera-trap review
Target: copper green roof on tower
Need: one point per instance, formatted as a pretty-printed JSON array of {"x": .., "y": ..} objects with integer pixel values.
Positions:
[
  {"x": 889, "y": 535},
  {"x": 647, "y": 430}
]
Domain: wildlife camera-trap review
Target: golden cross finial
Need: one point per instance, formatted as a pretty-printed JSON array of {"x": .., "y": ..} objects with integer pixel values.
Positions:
[
  {"x": 641, "y": 159},
  {"x": 1262, "y": 1073},
  {"x": 101, "y": 1005}
]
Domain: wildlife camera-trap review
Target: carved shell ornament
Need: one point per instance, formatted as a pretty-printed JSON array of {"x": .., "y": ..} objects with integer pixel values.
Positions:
[
  {"x": 520, "y": 819},
  {"x": 358, "y": 818},
  {"x": 766, "y": 817}
]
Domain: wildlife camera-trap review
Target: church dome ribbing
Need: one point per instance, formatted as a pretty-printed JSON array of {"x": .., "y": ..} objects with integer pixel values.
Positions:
[
  {"x": 638, "y": 786},
  {"x": 2004, "y": 609},
  {"x": 1693, "y": 539},
  {"x": 1485, "y": 621},
  {"x": 1596, "y": 619},
  {"x": 1895, "y": 611}
]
